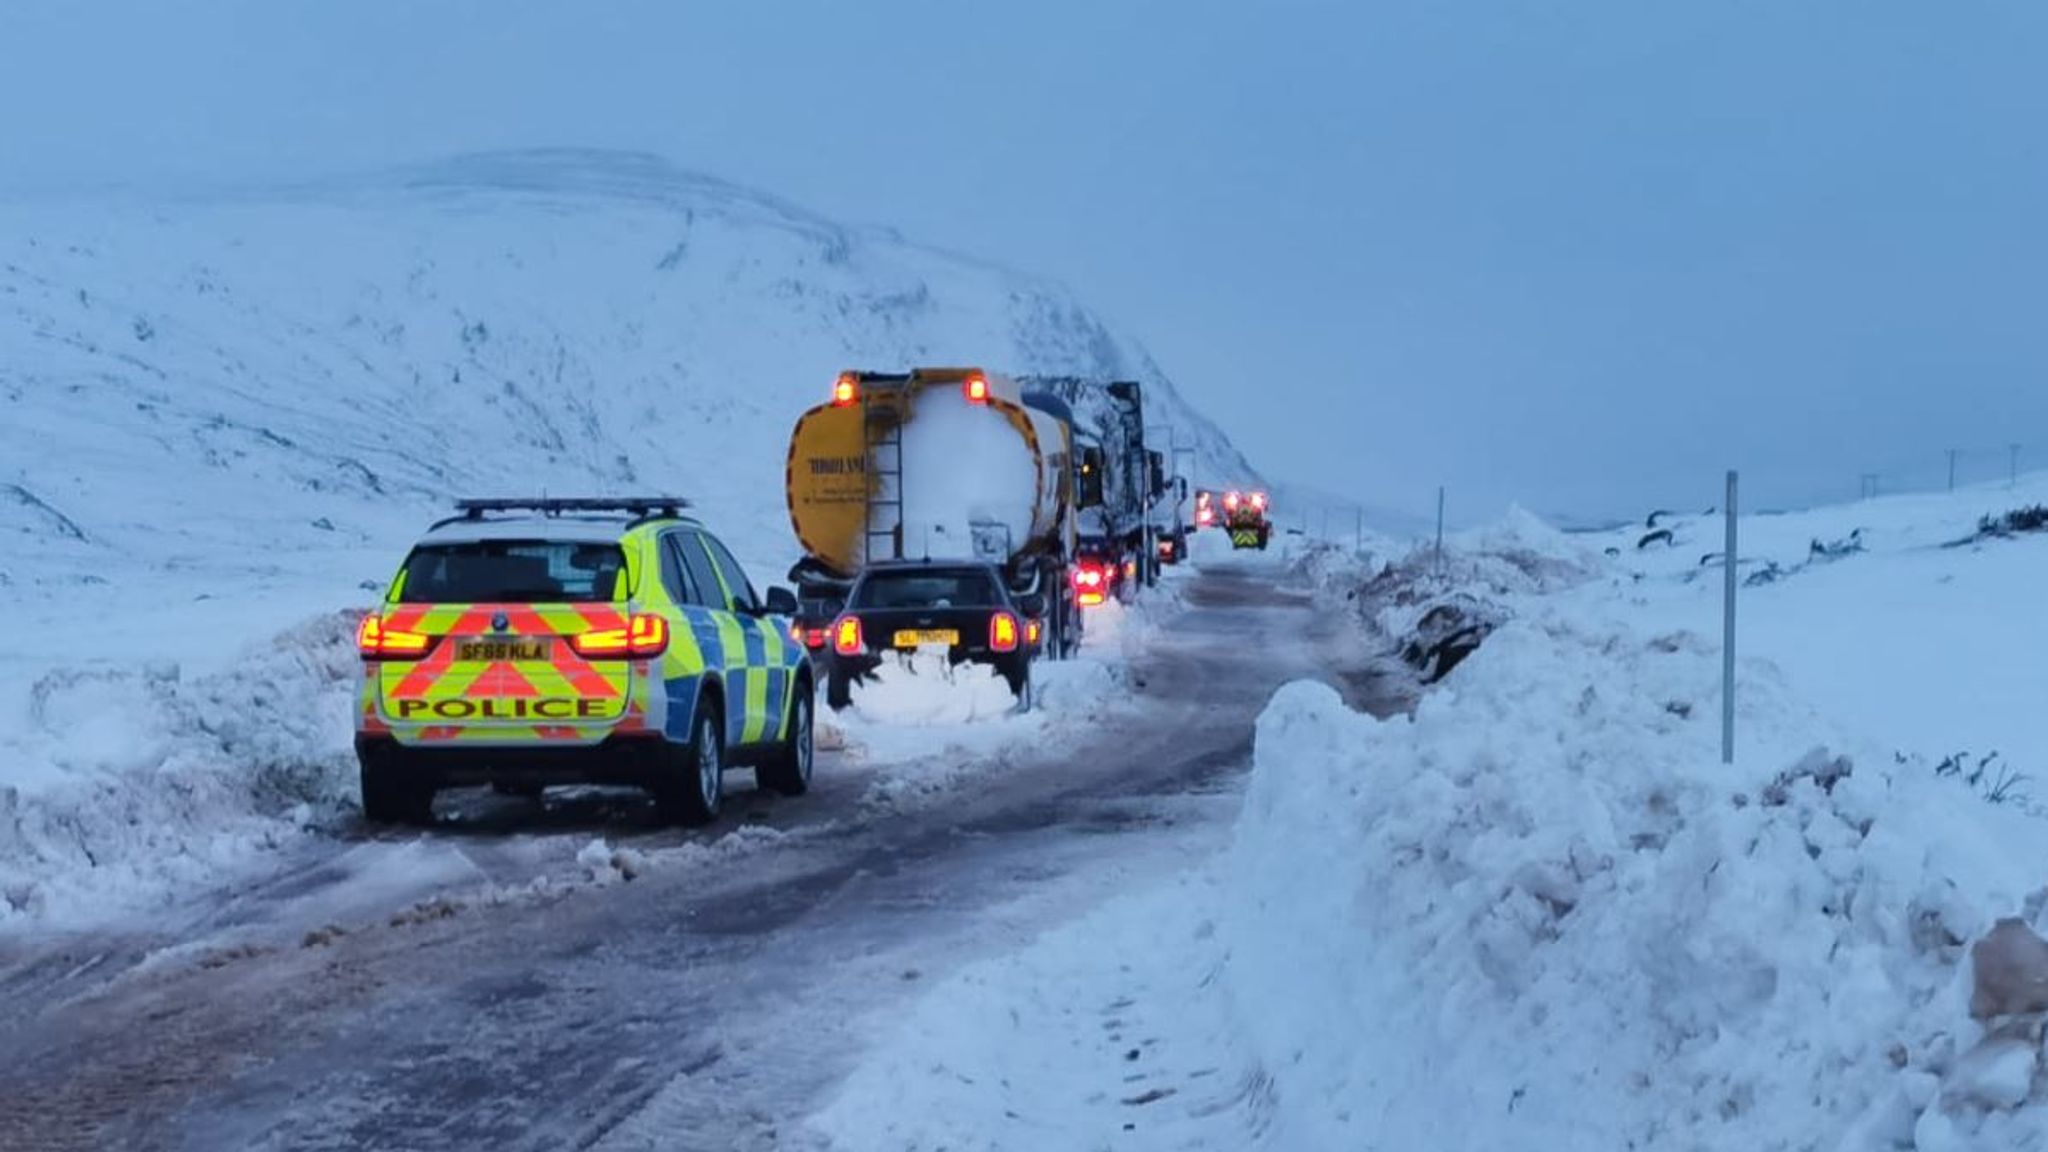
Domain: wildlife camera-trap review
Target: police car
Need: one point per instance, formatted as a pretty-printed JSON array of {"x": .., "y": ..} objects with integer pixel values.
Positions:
[{"x": 526, "y": 643}]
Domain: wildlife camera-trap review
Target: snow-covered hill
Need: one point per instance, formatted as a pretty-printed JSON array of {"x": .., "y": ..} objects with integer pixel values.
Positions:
[{"x": 234, "y": 397}]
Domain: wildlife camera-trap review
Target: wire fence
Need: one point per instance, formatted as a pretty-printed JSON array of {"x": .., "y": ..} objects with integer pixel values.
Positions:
[
  {"x": 1946, "y": 470},
  {"x": 1766, "y": 490}
]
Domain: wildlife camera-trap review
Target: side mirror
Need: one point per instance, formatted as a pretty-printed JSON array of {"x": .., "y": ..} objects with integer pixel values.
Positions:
[
  {"x": 1032, "y": 605},
  {"x": 781, "y": 602}
]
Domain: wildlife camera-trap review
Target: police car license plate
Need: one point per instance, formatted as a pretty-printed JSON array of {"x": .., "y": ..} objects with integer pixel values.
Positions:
[
  {"x": 919, "y": 637},
  {"x": 497, "y": 649}
]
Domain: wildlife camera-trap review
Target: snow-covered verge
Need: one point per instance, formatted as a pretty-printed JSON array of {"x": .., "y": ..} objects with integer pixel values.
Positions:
[
  {"x": 1893, "y": 616},
  {"x": 1541, "y": 913},
  {"x": 222, "y": 417},
  {"x": 165, "y": 779}
]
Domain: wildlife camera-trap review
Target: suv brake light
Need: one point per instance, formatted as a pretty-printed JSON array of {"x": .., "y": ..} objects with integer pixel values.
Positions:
[
  {"x": 376, "y": 642},
  {"x": 644, "y": 635},
  {"x": 846, "y": 636}
]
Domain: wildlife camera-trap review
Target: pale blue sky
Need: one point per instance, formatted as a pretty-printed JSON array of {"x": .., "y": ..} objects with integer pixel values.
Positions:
[{"x": 1582, "y": 255}]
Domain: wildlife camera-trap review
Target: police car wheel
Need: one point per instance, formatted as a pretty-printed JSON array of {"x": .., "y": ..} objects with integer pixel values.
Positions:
[
  {"x": 392, "y": 797},
  {"x": 691, "y": 788},
  {"x": 790, "y": 771}
]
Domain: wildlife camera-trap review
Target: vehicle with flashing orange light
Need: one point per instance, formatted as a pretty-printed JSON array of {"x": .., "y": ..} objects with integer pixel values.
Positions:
[
  {"x": 1247, "y": 516},
  {"x": 530, "y": 643},
  {"x": 960, "y": 612},
  {"x": 1122, "y": 489},
  {"x": 935, "y": 464}
]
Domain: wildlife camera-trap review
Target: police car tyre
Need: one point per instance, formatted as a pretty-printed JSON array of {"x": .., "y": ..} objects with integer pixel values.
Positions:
[
  {"x": 390, "y": 796},
  {"x": 789, "y": 771},
  {"x": 691, "y": 789}
]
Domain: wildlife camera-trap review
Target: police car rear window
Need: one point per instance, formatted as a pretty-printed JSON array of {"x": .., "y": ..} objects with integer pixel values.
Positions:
[
  {"x": 512, "y": 571},
  {"x": 925, "y": 588}
]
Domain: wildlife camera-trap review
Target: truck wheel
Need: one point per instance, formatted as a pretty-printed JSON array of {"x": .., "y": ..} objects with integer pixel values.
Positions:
[
  {"x": 790, "y": 771},
  {"x": 691, "y": 786},
  {"x": 390, "y": 795}
]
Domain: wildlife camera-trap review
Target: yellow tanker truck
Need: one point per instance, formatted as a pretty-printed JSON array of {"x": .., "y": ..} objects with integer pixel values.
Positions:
[{"x": 935, "y": 464}]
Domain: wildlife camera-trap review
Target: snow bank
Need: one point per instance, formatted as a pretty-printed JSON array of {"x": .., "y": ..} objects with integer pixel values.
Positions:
[
  {"x": 146, "y": 782},
  {"x": 1543, "y": 915}
]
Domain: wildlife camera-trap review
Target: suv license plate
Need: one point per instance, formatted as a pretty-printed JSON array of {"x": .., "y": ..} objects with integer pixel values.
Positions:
[{"x": 504, "y": 649}]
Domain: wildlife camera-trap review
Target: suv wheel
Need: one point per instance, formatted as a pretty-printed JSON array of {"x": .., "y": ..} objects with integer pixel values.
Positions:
[
  {"x": 390, "y": 795},
  {"x": 691, "y": 788},
  {"x": 790, "y": 771}
]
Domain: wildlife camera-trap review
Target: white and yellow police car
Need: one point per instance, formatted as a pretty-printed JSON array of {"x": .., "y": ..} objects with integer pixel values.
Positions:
[{"x": 528, "y": 643}]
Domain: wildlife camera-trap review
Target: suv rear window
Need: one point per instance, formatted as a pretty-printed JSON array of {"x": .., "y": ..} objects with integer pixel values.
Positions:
[
  {"x": 515, "y": 571},
  {"x": 926, "y": 588}
]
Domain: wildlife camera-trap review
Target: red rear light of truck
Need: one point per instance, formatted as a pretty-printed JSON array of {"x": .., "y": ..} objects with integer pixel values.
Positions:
[{"x": 1091, "y": 583}]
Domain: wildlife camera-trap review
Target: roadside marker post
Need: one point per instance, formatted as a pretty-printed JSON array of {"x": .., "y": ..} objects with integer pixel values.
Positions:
[{"x": 1728, "y": 634}]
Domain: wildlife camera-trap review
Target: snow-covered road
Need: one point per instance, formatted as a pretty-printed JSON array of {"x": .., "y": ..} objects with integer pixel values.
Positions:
[{"x": 692, "y": 993}]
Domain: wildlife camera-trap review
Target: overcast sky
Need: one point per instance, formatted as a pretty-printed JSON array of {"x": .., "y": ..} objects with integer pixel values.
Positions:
[{"x": 1581, "y": 255}]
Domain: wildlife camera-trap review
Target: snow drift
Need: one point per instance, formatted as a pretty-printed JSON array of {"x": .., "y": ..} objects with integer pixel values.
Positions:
[{"x": 1542, "y": 914}]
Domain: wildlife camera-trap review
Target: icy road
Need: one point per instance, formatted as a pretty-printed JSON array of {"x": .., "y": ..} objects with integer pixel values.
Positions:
[{"x": 407, "y": 991}]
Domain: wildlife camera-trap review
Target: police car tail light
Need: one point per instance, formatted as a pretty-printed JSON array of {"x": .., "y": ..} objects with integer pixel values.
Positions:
[
  {"x": 1231, "y": 500},
  {"x": 376, "y": 642},
  {"x": 1002, "y": 632},
  {"x": 644, "y": 635},
  {"x": 845, "y": 390},
  {"x": 1259, "y": 501},
  {"x": 846, "y": 636}
]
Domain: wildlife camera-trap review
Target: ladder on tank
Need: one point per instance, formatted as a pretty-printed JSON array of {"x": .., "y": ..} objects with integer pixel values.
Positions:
[{"x": 884, "y": 416}]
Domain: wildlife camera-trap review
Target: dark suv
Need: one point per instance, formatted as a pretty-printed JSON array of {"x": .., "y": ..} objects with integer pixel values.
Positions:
[{"x": 961, "y": 607}]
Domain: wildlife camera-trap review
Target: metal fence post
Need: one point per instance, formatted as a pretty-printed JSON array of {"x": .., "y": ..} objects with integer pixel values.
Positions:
[
  {"x": 1728, "y": 635},
  {"x": 1439, "y": 529}
]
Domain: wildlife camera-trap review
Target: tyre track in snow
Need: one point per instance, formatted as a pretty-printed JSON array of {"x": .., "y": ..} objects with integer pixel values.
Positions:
[{"x": 691, "y": 1008}]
